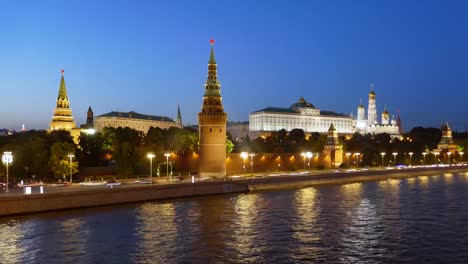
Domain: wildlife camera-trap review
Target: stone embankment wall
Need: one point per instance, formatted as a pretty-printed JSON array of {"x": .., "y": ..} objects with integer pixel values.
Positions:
[{"x": 18, "y": 204}]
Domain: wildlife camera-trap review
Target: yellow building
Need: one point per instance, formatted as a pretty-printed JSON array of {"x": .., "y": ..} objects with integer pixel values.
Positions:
[
  {"x": 63, "y": 119},
  {"x": 133, "y": 120}
]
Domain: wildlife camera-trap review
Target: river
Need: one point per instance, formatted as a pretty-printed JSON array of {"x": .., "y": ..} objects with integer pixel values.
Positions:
[{"x": 413, "y": 220}]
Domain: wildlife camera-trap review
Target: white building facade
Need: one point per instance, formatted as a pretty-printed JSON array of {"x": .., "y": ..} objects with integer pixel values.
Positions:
[
  {"x": 301, "y": 115},
  {"x": 133, "y": 120}
]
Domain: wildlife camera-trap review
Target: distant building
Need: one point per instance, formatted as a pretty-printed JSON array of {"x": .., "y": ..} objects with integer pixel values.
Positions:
[
  {"x": 238, "y": 130},
  {"x": 133, "y": 120},
  {"x": 63, "y": 119},
  {"x": 371, "y": 124},
  {"x": 446, "y": 142},
  {"x": 302, "y": 115}
]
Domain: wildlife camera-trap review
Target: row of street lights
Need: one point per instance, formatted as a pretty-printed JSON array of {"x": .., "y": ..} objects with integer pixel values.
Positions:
[{"x": 424, "y": 156}]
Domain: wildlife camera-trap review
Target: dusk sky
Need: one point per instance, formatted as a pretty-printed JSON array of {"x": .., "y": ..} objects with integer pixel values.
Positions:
[{"x": 149, "y": 56}]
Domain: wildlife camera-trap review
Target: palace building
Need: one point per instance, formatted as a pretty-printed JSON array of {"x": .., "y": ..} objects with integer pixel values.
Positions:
[
  {"x": 302, "y": 115},
  {"x": 63, "y": 119},
  {"x": 133, "y": 120}
]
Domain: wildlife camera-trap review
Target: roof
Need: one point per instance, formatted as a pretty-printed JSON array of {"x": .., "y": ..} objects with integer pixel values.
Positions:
[
  {"x": 136, "y": 115},
  {"x": 302, "y": 103}
]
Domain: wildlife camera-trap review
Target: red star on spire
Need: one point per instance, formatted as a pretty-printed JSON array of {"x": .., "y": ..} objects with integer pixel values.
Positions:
[
  {"x": 212, "y": 41},
  {"x": 62, "y": 71}
]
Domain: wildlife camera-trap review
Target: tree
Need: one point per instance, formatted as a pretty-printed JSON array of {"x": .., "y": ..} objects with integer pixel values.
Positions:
[{"x": 59, "y": 161}]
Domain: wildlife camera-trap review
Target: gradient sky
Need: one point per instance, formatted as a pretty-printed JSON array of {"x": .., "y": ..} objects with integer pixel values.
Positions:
[{"x": 148, "y": 56}]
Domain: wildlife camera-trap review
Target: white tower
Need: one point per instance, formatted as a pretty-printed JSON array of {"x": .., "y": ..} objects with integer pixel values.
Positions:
[
  {"x": 372, "y": 110},
  {"x": 361, "y": 117}
]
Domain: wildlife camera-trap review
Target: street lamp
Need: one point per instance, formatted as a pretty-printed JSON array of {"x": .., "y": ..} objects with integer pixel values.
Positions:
[
  {"x": 303, "y": 158},
  {"x": 461, "y": 158},
  {"x": 7, "y": 159},
  {"x": 382, "y": 154},
  {"x": 410, "y": 158},
  {"x": 251, "y": 163},
  {"x": 449, "y": 161},
  {"x": 71, "y": 156},
  {"x": 435, "y": 155},
  {"x": 244, "y": 155},
  {"x": 424, "y": 157},
  {"x": 167, "y": 163},
  {"x": 150, "y": 156},
  {"x": 347, "y": 156},
  {"x": 357, "y": 158},
  {"x": 394, "y": 157},
  {"x": 309, "y": 155}
]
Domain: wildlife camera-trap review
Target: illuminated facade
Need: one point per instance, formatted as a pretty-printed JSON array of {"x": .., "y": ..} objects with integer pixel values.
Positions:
[
  {"x": 371, "y": 125},
  {"x": 302, "y": 115},
  {"x": 133, "y": 120},
  {"x": 446, "y": 141},
  {"x": 212, "y": 125},
  {"x": 63, "y": 119}
]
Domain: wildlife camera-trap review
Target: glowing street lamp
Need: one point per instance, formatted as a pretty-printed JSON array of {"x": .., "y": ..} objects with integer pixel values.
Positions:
[
  {"x": 244, "y": 155},
  {"x": 435, "y": 155},
  {"x": 424, "y": 157},
  {"x": 357, "y": 158},
  {"x": 461, "y": 158},
  {"x": 410, "y": 158},
  {"x": 382, "y": 154},
  {"x": 167, "y": 155},
  {"x": 309, "y": 155},
  {"x": 251, "y": 163},
  {"x": 303, "y": 155},
  {"x": 347, "y": 156},
  {"x": 394, "y": 157},
  {"x": 449, "y": 161},
  {"x": 150, "y": 156},
  {"x": 7, "y": 159},
  {"x": 71, "y": 156}
]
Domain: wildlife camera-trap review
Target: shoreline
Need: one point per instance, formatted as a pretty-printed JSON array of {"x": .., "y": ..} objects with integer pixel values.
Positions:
[{"x": 35, "y": 203}]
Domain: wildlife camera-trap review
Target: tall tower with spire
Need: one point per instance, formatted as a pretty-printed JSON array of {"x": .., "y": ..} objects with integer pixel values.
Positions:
[
  {"x": 372, "y": 110},
  {"x": 212, "y": 125},
  {"x": 179, "y": 116},
  {"x": 90, "y": 117},
  {"x": 63, "y": 118}
]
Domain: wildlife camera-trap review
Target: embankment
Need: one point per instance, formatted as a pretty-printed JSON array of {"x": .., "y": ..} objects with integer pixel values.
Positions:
[{"x": 19, "y": 204}]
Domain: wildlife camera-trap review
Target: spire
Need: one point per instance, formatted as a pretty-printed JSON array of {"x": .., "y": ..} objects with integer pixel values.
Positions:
[
  {"x": 212, "y": 84},
  {"x": 62, "y": 98},
  {"x": 372, "y": 92},
  {"x": 179, "y": 116},
  {"x": 332, "y": 127},
  {"x": 360, "y": 103}
]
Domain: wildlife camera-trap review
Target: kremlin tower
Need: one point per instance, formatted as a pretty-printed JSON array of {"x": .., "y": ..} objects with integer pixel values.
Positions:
[
  {"x": 372, "y": 111},
  {"x": 212, "y": 125},
  {"x": 63, "y": 118}
]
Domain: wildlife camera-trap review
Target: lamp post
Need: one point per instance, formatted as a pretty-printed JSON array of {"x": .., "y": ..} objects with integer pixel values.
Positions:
[
  {"x": 309, "y": 155},
  {"x": 244, "y": 155},
  {"x": 71, "y": 156},
  {"x": 435, "y": 155},
  {"x": 357, "y": 158},
  {"x": 394, "y": 157},
  {"x": 7, "y": 159},
  {"x": 347, "y": 156},
  {"x": 251, "y": 163},
  {"x": 461, "y": 157},
  {"x": 382, "y": 154},
  {"x": 167, "y": 163},
  {"x": 150, "y": 156},
  {"x": 449, "y": 161},
  {"x": 424, "y": 157},
  {"x": 410, "y": 158},
  {"x": 303, "y": 158}
]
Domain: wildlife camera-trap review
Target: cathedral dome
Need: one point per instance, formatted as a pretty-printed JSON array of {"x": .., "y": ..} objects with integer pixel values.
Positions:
[{"x": 302, "y": 103}]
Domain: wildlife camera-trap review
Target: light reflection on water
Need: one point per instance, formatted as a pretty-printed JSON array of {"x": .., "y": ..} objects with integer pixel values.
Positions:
[{"x": 412, "y": 220}]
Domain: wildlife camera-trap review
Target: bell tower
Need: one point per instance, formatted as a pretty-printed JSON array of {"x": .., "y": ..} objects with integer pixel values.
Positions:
[{"x": 212, "y": 125}]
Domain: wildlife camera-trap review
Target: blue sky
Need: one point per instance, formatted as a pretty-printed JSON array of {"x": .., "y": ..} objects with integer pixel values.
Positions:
[{"x": 149, "y": 56}]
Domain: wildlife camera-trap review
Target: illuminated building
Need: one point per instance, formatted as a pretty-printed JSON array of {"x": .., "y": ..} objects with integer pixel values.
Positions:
[
  {"x": 63, "y": 119},
  {"x": 446, "y": 142},
  {"x": 302, "y": 115},
  {"x": 133, "y": 120},
  {"x": 371, "y": 124},
  {"x": 333, "y": 150},
  {"x": 212, "y": 125}
]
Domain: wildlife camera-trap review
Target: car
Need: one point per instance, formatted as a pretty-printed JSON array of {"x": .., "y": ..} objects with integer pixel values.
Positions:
[{"x": 113, "y": 183}]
